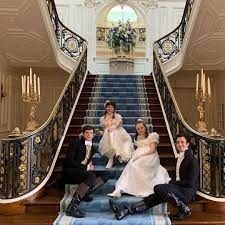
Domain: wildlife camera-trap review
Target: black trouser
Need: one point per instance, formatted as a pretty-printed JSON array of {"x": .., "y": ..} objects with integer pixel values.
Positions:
[
  {"x": 77, "y": 176},
  {"x": 161, "y": 194}
]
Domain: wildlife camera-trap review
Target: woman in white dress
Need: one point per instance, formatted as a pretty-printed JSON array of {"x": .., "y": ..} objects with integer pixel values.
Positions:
[
  {"x": 143, "y": 171},
  {"x": 115, "y": 140}
]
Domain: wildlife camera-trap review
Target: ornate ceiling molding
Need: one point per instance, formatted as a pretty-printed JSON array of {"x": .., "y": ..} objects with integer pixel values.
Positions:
[{"x": 145, "y": 4}]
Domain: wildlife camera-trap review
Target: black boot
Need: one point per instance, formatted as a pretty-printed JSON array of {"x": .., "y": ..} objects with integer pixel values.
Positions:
[
  {"x": 137, "y": 208},
  {"x": 73, "y": 210},
  {"x": 119, "y": 212},
  {"x": 99, "y": 182},
  {"x": 183, "y": 210}
]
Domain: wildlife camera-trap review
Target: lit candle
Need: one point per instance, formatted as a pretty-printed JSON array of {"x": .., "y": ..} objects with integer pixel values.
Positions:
[
  {"x": 202, "y": 79},
  {"x": 209, "y": 87},
  {"x": 197, "y": 80},
  {"x": 35, "y": 84},
  {"x": 22, "y": 83},
  {"x": 39, "y": 90},
  {"x": 31, "y": 77},
  {"x": 28, "y": 85},
  {"x": 203, "y": 89}
]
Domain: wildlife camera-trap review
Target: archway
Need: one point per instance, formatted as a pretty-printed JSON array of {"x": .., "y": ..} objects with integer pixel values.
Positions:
[{"x": 108, "y": 17}]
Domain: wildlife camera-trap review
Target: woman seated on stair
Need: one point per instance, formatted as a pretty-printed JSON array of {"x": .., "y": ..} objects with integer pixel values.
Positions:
[
  {"x": 143, "y": 171},
  {"x": 115, "y": 141}
]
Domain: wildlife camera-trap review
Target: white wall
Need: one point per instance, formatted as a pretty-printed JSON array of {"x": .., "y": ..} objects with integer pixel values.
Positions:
[{"x": 160, "y": 18}]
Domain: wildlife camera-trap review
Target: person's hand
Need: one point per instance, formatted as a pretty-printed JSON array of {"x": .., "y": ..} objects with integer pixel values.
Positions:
[
  {"x": 81, "y": 135},
  {"x": 110, "y": 129},
  {"x": 90, "y": 167},
  {"x": 100, "y": 133},
  {"x": 84, "y": 162}
]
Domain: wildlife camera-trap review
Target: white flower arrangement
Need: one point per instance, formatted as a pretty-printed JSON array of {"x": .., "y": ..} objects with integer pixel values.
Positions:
[{"x": 121, "y": 37}]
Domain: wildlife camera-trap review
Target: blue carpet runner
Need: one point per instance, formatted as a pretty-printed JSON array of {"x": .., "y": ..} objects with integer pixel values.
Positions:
[{"x": 129, "y": 93}]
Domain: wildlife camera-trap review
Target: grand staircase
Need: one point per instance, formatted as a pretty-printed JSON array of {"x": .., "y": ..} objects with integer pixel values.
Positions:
[{"x": 134, "y": 97}]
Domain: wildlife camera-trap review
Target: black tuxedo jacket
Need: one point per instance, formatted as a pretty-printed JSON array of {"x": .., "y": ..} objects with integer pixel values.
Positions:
[
  {"x": 76, "y": 154},
  {"x": 189, "y": 172}
]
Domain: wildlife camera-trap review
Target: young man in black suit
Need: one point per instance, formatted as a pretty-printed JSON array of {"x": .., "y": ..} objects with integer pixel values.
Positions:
[
  {"x": 179, "y": 191},
  {"x": 78, "y": 157}
]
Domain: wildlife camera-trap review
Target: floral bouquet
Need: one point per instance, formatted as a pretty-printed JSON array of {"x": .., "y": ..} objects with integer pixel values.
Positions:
[{"x": 121, "y": 38}]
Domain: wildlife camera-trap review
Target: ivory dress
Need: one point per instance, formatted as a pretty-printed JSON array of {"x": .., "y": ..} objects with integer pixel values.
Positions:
[
  {"x": 140, "y": 177},
  {"x": 115, "y": 140}
]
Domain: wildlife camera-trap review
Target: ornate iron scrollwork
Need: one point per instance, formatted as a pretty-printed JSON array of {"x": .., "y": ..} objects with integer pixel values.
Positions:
[
  {"x": 70, "y": 43},
  {"x": 25, "y": 161},
  {"x": 169, "y": 45},
  {"x": 209, "y": 152}
]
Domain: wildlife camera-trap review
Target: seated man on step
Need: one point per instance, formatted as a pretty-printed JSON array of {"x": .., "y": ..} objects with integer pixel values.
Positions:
[
  {"x": 179, "y": 191},
  {"x": 78, "y": 157}
]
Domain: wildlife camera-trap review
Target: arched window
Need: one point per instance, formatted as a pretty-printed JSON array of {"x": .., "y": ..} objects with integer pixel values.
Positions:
[{"x": 121, "y": 13}]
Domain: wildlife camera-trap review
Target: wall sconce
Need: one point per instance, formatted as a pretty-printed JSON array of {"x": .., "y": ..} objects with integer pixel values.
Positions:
[{"x": 2, "y": 93}]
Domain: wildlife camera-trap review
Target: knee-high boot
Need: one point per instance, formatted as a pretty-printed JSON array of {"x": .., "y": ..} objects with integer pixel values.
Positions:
[
  {"x": 121, "y": 212},
  {"x": 99, "y": 182},
  {"x": 183, "y": 210},
  {"x": 73, "y": 207}
]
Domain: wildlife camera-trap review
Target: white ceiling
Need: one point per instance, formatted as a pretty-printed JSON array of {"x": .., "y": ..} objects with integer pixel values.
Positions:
[
  {"x": 206, "y": 47},
  {"x": 24, "y": 39}
]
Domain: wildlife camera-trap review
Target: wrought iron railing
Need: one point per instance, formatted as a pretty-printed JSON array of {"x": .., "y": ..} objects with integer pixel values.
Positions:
[
  {"x": 70, "y": 43},
  {"x": 209, "y": 151},
  {"x": 169, "y": 45},
  {"x": 26, "y": 161}
]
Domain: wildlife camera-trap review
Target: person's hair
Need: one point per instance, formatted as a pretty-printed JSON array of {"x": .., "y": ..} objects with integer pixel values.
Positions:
[
  {"x": 113, "y": 104},
  {"x": 140, "y": 121},
  {"x": 187, "y": 138},
  {"x": 87, "y": 127}
]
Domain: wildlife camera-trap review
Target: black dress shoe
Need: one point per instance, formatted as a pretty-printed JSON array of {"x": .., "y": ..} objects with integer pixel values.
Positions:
[
  {"x": 73, "y": 210},
  {"x": 183, "y": 209},
  {"x": 120, "y": 213},
  {"x": 180, "y": 215},
  {"x": 75, "y": 213},
  {"x": 113, "y": 206}
]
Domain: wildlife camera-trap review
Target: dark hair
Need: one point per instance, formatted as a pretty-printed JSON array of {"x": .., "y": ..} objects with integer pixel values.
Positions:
[
  {"x": 187, "y": 138},
  {"x": 146, "y": 129},
  {"x": 87, "y": 127},
  {"x": 113, "y": 104}
]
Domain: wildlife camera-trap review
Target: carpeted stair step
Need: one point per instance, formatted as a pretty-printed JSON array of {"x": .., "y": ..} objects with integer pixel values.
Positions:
[
  {"x": 117, "y": 76},
  {"x": 107, "y": 218},
  {"x": 127, "y": 113},
  {"x": 119, "y": 80},
  {"x": 120, "y": 89},
  {"x": 118, "y": 100},
  {"x": 132, "y": 85},
  {"x": 119, "y": 106},
  {"x": 160, "y": 128},
  {"x": 100, "y": 203},
  {"x": 110, "y": 95}
]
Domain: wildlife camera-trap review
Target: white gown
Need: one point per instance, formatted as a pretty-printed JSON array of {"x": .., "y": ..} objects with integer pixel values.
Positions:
[
  {"x": 140, "y": 177},
  {"x": 117, "y": 141}
]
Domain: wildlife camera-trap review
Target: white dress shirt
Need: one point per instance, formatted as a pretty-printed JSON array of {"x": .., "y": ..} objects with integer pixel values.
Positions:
[{"x": 179, "y": 161}]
